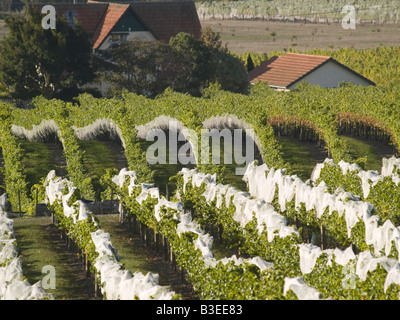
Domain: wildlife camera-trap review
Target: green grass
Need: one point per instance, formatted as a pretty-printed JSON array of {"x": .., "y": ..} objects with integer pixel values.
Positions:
[
  {"x": 134, "y": 258},
  {"x": 37, "y": 249},
  {"x": 301, "y": 156},
  {"x": 162, "y": 172},
  {"x": 37, "y": 160},
  {"x": 372, "y": 151},
  {"x": 233, "y": 179},
  {"x": 98, "y": 157},
  {"x": 138, "y": 258}
]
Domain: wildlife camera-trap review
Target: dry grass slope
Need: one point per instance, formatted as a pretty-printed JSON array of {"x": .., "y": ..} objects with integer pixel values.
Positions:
[{"x": 265, "y": 36}]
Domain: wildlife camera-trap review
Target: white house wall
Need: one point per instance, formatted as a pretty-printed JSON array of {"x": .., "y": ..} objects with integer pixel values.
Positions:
[
  {"x": 136, "y": 35},
  {"x": 330, "y": 74},
  {"x": 141, "y": 35}
]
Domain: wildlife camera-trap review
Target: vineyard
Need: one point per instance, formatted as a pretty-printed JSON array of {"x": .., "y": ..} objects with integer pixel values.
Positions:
[
  {"x": 332, "y": 235},
  {"x": 376, "y": 11}
]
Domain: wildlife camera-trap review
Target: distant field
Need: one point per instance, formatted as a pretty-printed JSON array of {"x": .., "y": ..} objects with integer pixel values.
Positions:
[
  {"x": 258, "y": 36},
  {"x": 265, "y": 36}
]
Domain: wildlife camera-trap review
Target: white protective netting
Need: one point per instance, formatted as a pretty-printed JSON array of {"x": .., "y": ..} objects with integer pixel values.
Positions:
[
  {"x": 262, "y": 183},
  {"x": 116, "y": 282},
  {"x": 12, "y": 284},
  {"x": 186, "y": 223}
]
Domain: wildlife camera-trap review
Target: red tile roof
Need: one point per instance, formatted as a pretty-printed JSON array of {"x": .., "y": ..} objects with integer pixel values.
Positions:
[
  {"x": 285, "y": 70},
  {"x": 113, "y": 14},
  {"x": 167, "y": 19},
  {"x": 163, "y": 19},
  {"x": 89, "y": 15}
]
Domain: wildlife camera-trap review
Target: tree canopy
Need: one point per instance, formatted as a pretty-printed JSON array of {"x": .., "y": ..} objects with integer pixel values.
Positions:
[
  {"x": 56, "y": 63},
  {"x": 143, "y": 67},
  {"x": 186, "y": 64},
  {"x": 49, "y": 62}
]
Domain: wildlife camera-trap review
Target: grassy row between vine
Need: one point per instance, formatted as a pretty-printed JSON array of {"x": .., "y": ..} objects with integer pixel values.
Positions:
[
  {"x": 13, "y": 283},
  {"x": 39, "y": 244},
  {"x": 72, "y": 215}
]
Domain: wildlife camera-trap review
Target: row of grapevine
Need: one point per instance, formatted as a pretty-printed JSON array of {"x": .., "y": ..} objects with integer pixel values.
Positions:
[
  {"x": 380, "y": 189},
  {"x": 336, "y": 273},
  {"x": 313, "y": 105},
  {"x": 310, "y": 105},
  {"x": 13, "y": 285},
  {"x": 14, "y": 177},
  {"x": 228, "y": 278},
  {"x": 73, "y": 216},
  {"x": 341, "y": 213}
]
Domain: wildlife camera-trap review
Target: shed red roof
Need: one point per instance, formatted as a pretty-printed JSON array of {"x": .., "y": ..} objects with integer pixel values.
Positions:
[{"x": 285, "y": 70}]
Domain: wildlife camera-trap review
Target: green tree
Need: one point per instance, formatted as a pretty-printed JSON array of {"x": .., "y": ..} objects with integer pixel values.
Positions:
[
  {"x": 195, "y": 57},
  {"x": 229, "y": 72},
  {"x": 226, "y": 69},
  {"x": 143, "y": 67},
  {"x": 49, "y": 62},
  {"x": 250, "y": 63},
  {"x": 212, "y": 40},
  {"x": 208, "y": 61},
  {"x": 187, "y": 64}
]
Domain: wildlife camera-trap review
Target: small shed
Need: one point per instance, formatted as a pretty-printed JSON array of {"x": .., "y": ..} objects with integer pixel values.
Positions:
[{"x": 287, "y": 71}]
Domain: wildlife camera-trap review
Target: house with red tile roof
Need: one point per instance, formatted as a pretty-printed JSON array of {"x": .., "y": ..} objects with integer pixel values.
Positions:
[
  {"x": 287, "y": 71},
  {"x": 112, "y": 23}
]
